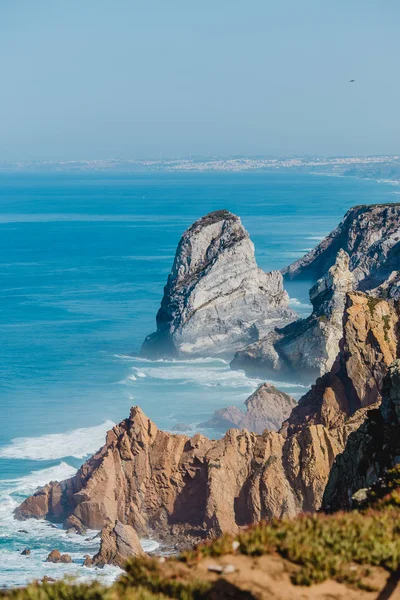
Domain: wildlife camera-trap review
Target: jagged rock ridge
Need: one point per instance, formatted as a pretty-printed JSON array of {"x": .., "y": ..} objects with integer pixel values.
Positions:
[
  {"x": 370, "y": 234},
  {"x": 308, "y": 347},
  {"x": 216, "y": 299},
  {"x": 155, "y": 481}
]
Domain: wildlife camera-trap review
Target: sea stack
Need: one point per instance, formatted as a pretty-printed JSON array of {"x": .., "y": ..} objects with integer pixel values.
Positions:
[{"x": 216, "y": 300}]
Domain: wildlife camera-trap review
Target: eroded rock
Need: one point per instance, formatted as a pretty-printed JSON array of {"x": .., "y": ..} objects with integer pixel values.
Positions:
[
  {"x": 371, "y": 450},
  {"x": 55, "y": 556},
  {"x": 307, "y": 348},
  {"x": 266, "y": 408},
  {"x": 216, "y": 299},
  {"x": 370, "y": 234},
  {"x": 118, "y": 543},
  {"x": 190, "y": 487},
  {"x": 368, "y": 347}
]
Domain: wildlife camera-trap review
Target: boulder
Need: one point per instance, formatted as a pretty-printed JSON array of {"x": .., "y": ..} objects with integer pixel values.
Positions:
[
  {"x": 266, "y": 408},
  {"x": 75, "y": 525},
  {"x": 118, "y": 543},
  {"x": 56, "y": 557}
]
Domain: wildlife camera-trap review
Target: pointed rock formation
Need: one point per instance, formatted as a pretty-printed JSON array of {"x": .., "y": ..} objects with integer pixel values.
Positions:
[
  {"x": 216, "y": 300},
  {"x": 158, "y": 482},
  {"x": 118, "y": 543},
  {"x": 307, "y": 348},
  {"x": 371, "y": 237},
  {"x": 164, "y": 483},
  {"x": 266, "y": 408}
]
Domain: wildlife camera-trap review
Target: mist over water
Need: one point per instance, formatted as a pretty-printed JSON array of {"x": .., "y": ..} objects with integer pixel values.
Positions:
[{"x": 83, "y": 262}]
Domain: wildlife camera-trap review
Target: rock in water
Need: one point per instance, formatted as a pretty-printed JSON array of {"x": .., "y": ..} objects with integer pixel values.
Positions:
[
  {"x": 266, "y": 408},
  {"x": 307, "y": 348},
  {"x": 56, "y": 557},
  {"x": 216, "y": 300},
  {"x": 118, "y": 543},
  {"x": 371, "y": 237},
  {"x": 154, "y": 480}
]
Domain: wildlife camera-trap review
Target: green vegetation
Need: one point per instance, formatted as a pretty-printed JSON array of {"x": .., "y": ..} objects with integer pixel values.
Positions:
[
  {"x": 372, "y": 302},
  {"x": 343, "y": 546},
  {"x": 149, "y": 575},
  {"x": 327, "y": 546},
  {"x": 63, "y": 590},
  {"x": 386, "y": 326}
]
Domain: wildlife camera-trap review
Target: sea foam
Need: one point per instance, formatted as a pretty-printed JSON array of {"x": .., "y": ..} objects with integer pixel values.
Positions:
[
  {"x": 41, "y": 537},
  {"x": 77, "y": 443}
]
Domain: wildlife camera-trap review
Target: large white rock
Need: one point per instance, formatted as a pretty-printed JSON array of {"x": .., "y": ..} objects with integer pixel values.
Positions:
[{"x": 216, "y": 300}]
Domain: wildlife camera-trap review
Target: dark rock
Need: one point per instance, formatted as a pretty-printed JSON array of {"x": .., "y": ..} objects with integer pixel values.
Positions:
[{"x": 88, "y": 561}]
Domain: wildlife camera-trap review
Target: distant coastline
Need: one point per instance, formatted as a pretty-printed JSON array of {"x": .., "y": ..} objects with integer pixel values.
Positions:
[{"x": 380, "y": 167}]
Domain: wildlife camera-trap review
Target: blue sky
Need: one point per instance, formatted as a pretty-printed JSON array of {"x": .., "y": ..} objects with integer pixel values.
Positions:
[{"x": 135, "y": 79}]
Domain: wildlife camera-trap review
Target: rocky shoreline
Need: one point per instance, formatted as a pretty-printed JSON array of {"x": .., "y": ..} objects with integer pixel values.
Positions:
[
  {"x": 279, "y": 458},
  {"x": 193, "y": 487}
]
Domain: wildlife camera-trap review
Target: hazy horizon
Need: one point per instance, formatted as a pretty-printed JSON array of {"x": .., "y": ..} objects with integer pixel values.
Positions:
[{"x": 123, "y": 80}]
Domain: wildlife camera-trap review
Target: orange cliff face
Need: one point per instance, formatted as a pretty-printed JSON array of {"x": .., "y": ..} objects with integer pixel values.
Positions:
[
  {"x": 161, "y": 482},
  {"x": 153, "y": 480},
  {"x": 368, "y": 346}
]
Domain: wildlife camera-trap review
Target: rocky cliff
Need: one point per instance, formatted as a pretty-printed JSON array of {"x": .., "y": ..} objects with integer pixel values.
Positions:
[
  {"x": 216, "y": 299},
  {"x": 153, "y": 480},
  {"x": 369, "y": 234},
  {"x": 193, "y": 487},
  {"x": 369, "y": 344},
  {"x": 307, "y": 348},
  {"x": 266, "y": 408},
  {"x": 371, "y": 450},
  {"x": 163, "y": 483}
]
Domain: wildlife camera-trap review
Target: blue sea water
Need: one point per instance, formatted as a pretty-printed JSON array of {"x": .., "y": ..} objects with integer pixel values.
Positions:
[{"x": 83, "y": 261}]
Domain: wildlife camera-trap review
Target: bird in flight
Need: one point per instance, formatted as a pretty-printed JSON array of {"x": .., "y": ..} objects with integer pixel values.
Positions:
[{"x": 351, "y": 80}]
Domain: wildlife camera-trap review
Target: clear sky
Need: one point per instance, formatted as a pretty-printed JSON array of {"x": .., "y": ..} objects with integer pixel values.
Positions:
[{"x": 143, "y": 78}]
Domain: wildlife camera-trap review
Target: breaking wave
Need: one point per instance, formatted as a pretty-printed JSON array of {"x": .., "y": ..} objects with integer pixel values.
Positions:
[{"x": 77, "y": 443}]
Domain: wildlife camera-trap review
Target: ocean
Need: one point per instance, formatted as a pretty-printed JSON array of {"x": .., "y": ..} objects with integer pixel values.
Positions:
[{"x": 83, "y": 261}]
